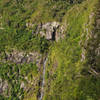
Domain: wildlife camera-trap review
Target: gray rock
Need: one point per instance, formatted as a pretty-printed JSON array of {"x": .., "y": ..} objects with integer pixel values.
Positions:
[
  {"x": 3, "y": 86},
  {"x": 22, "y": 85},
  {"x": 22, "y": 57},
  {"x": 50, "y": 30}
]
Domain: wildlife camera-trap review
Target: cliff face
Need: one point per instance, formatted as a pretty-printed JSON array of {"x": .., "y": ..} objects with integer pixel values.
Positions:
[
  {"x": 49, "y": 50},
  {"x": 19, "y": 57},
  {"x": 51, "y": 30}
]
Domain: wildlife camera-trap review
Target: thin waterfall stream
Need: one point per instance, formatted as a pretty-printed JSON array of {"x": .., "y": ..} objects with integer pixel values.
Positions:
[{"x": 43, "y": 81}]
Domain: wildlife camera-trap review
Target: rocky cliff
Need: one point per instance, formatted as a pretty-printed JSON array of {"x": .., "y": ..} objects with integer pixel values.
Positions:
[
  {"x": 50, "y": 30},
  {"x": 49, "y": 50}
]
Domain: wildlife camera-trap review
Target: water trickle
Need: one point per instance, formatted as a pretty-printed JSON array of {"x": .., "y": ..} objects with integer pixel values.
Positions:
[{"x": 43, "y": 81}]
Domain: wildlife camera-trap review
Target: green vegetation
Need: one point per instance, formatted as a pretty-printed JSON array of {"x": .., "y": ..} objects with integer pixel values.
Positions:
[
  {"x": 15, "y": 33},
  {"x": 73, "y": 68},
  {"x": 22, "y": 41},
  {"x": 70, "y": 78},
  {"x": 15, "y": 75},
  {"x": 16, "y": 14}
]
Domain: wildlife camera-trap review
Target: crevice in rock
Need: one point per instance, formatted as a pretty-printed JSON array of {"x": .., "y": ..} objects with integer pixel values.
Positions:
[{"x": 54, "y": 34}]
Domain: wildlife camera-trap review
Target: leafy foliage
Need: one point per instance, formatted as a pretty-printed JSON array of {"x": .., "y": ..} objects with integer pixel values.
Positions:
[
  {"x": 67, "y": 81},
  {"x": 14, "y": 75},
  {"x": 67, "y": 77}
]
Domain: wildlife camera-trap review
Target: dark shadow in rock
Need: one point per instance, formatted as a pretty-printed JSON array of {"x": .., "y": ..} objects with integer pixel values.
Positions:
[{"x": 54, "y": 34}]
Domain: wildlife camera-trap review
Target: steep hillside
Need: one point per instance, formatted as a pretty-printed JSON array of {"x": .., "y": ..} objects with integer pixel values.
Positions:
[
  {"x": 49, "y": 49},
  {"x": 73, "y": 67}
]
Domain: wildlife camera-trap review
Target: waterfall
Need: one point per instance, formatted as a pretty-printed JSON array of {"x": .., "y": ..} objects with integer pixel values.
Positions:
[{"x": 43, "y": 81}]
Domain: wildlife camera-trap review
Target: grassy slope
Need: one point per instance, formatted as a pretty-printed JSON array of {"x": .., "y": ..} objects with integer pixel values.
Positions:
[
  {"x": 65, "y": 78},
  {"x": 15, "y": 35},
  {"x": 15, "y": 15}
]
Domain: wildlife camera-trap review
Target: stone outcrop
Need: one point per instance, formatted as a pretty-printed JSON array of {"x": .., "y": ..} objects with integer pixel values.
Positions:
[
  {"x": 21, "y": 57},
  {"x": 3, "y": 86},
  {"x": 1, "y": 26},
  {"x": 51, "y": 30}
]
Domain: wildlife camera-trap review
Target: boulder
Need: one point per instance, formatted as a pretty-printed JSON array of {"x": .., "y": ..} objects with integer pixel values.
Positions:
[{"x": 50, "y": 30}]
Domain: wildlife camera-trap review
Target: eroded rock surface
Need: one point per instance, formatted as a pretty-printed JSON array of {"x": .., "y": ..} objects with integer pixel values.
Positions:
[
  {"x": 51, "y": 30},
  {"x": 21, "y": 57},
  {"x": 3, "y": 86}
]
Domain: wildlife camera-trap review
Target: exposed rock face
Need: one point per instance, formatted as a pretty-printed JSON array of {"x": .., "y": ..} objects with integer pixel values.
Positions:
[
  {"x": 22, "y": 85},
  {"x": 97, "y": 51},
  {"x": 21, "y": 57},
  {"x": 27, "y": 84},
  {"x": 1, "y": 23},
  {"x": 51, "y": 30},
  {"x": 3, "y": 86}
]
